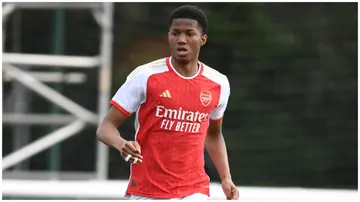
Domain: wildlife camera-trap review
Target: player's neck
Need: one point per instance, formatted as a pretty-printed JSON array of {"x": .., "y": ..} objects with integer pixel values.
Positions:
[{"x": 186, "y": 69}]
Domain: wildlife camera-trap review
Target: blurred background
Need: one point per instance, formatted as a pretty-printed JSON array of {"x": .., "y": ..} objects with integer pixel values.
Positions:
[{"x": 291, "y": 121}]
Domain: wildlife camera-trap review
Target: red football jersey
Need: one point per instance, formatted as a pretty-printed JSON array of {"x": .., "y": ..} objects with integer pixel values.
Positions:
[{"x": 172, "y": 118}]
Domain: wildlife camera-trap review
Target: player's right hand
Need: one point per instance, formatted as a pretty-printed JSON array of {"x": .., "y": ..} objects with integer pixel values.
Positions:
[{"x": 131, "y": 152}]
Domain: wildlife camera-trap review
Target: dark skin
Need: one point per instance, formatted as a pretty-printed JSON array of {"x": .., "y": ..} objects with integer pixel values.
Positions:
[{"x": 185, "y": 38}]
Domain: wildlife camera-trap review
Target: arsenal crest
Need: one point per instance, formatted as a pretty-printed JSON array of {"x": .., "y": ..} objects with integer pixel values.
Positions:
[{"x": 205, "y": 97}]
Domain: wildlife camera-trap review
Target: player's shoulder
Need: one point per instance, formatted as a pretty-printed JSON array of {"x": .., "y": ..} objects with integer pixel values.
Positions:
[
  {"x": 150, "y": 68},
  {"x": 215, "y": 75}
]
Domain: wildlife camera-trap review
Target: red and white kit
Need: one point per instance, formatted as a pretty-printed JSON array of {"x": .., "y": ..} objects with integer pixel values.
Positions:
[{"x": 172, "y": 117}]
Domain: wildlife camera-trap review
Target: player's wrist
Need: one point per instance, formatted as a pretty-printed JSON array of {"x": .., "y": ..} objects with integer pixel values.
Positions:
[
  {"x": 226, "y": 178},
  {"x": 119, "y": 144}
]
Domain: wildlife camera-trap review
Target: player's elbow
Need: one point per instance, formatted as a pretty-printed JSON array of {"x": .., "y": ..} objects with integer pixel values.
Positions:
[
  {"x": 106, "y": 130},
  {"x": 100, "y": 133}
]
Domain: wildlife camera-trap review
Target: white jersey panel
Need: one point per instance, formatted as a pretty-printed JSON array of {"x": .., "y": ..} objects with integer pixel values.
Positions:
[
  {"x": 223, "y": 81},
  {"x": 133, "y": 92}
]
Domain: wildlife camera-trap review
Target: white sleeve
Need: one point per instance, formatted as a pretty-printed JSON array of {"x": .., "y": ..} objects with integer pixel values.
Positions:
[
  {"x": 218, "y": 113},
  {"x": 131, "y": 94}
]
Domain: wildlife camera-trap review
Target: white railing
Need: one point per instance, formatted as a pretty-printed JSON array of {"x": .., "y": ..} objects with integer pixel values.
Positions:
[
  {"x": 41, "y": 144},
  {"x": 50, "y": 60},
  {"x": 103, "y": 15},
  {"x": 116, "y": 189}
]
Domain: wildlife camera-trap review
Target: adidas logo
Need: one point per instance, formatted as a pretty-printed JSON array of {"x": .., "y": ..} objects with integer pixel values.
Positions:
[{"x": 165, "y": 94}]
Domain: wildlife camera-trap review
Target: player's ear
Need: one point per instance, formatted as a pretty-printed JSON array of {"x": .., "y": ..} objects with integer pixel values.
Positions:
[{"x": 203, "y": 39}]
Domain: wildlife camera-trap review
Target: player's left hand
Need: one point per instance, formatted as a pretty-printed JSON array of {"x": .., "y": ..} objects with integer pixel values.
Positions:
[{"x": 230, "y": 190}]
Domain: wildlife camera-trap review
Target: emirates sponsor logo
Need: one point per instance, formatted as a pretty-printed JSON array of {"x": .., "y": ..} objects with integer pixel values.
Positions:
[
  {"x": 180, "y": 120},
  {"x": 180, "y": 114},
  {"x": 205, "y": 97}
]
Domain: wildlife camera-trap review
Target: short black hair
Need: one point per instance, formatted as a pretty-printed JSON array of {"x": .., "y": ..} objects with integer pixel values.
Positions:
[{"x": 190, "y": 12}]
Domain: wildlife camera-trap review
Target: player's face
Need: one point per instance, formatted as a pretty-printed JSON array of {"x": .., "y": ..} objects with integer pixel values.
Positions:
[{"x": 186, "y": 38}]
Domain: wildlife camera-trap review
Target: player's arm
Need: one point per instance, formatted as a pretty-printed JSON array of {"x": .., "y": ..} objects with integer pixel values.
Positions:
[
  {"x": 107, "y": 131},
  {"x": 126, "y": 101},
  {"x": 215, "y": 146},
  {"x": 108, "y": 134}
]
